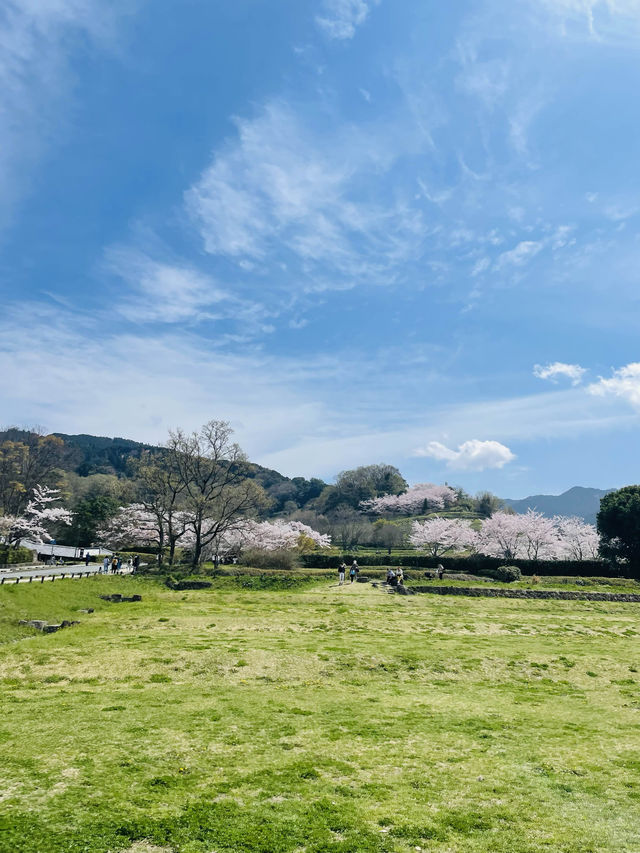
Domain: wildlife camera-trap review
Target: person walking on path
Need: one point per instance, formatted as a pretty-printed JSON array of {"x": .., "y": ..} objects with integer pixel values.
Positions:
[
  {"x": 114, "y": 564},
  {"x": 87, "y": 557},
  {"x": 119, "y": 564},
  {"x": 105, "y": 565},
  {"x": 135, "y": 563},
  {"x": 341, "y": 570},
  {"x": 355, "y": 568}
]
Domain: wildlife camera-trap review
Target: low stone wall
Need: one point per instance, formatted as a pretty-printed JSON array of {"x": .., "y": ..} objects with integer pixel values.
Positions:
[{"x": 561, "y": 595}]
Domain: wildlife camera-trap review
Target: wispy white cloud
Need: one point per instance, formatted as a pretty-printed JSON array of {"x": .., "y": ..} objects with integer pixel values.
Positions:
[
  {"x": 486, "y": 80},
  {"x": 624, "y": 383},
  {"x": 521, "y": 119},
  {"x": 557, "y": 369},
  {"x": 472, "y": 455},
  {"x": 36, "y": 38},
  {"x": 89, "y": 375},
  {"x": 339, "y": 19},
  {"x": 525, "y": 251},
  {"x": 283, "y": 185},
  {"x": 601, "y": 20},
  {"x": 163, "y": 292}
]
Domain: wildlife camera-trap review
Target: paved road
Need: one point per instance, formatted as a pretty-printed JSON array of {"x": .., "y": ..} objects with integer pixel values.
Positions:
[{"x": 52, "y": 572}]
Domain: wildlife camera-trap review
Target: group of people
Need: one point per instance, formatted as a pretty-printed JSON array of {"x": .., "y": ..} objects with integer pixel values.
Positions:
[
  {"x": 114, "y": 564},
  {"x": 395, "y": 577},
  {"x": 353, "y": 572}
]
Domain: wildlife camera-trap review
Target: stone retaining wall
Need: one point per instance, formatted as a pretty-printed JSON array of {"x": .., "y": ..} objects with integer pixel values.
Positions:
[{"x": 562, "y": 595}]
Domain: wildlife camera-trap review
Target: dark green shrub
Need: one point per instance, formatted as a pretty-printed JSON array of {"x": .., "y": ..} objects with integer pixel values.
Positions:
[
  {"x": 186, "y": 583},
  {"x": 506, "y": 574},
  {"x": 11, "y": 556}
]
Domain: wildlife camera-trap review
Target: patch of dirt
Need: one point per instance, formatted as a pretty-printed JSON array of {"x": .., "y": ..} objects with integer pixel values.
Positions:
[{"x": 145, "y": 847}]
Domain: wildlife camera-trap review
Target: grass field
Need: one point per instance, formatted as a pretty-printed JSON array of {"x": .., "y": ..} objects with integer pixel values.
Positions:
[{"x": 316, "y": 718}]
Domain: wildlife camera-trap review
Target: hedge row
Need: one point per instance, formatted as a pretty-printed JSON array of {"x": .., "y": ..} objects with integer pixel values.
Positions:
[
  {"x": 11, "y": 556},
  {"x": 472, "y": 565}
]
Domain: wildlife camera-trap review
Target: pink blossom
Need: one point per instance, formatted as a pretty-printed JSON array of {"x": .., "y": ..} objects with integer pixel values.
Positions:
[
  {"x": 439, "y": 535},
  {"x": 580, "y": 541},
  {"x": 273, "y": 536},
  {"x": 39, "y": 516},
  {"x": 412, "y": 501}
]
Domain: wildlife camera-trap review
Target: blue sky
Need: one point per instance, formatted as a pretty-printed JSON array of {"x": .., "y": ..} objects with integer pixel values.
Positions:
[{"x": 360, "y": 230}]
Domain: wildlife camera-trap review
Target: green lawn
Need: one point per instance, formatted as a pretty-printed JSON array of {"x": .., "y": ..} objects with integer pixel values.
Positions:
[{"x": 316, "y": 718}]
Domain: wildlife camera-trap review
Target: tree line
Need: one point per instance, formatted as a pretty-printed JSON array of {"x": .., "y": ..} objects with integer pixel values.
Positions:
[{"x": 199, "y": 492}]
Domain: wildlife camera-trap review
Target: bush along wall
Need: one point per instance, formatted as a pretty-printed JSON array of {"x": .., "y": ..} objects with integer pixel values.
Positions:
[
  {"x": 11, "y": 556},
  {"x": 476, "y": 564}
]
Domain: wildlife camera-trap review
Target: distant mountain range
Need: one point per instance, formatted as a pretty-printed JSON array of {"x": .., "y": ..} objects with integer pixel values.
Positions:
[{"x": 580, "y": 501}]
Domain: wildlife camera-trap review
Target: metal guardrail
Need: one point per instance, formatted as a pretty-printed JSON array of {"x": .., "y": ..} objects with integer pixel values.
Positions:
[{"x": 18, "y": 577}]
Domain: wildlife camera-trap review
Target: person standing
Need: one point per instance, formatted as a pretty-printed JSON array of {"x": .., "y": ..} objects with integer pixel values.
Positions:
[
  {"x": 352, "y": 572},
  {"x": 400, "y": 576},
  {"x": 341, "y": 570},
  {"x": 135, "y": 563},
  {"x": 87, "y": 557},
  {"x": 119, "y": 564},
  {"x": 105, "y": 565},
  {"x": 114, "y": 564},
  {"x": 440, "y": 570}
]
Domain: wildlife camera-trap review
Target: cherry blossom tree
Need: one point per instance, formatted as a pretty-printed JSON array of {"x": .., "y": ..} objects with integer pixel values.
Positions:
[
  {"x": 501, "y": 536},
  {"x": 533, "y": 536},
  {"x": 579, "y": 540},
  {"x": 135, "y": 526},
  {"x": 541, "y": 540},
  {"x": 39, "y": 516},
  {"x": 423, "y": 496},
  {"x": 439, "y": 535},
  {"x": 276, "y": 535},
  {"x": 132, "y": 526}
]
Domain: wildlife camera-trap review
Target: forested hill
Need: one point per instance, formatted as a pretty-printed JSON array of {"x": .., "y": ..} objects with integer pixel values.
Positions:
[
  {"x": 96, "y": 454},
  {"x": 580, "y": 501},
  {"x": 91, "y": 454}
]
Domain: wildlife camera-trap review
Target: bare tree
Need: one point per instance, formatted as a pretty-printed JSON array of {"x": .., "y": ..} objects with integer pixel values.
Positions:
[
  {"x": 389, "y": 534},
  {"x": 27, "y": 458},
  {"x": 161, "y": 493},
  {"x": 349, "y": 528},
  {"x": 216, "y": 493}
]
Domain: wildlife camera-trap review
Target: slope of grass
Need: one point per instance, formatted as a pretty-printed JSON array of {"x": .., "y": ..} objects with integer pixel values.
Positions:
[{"x": 316, "y": 718}]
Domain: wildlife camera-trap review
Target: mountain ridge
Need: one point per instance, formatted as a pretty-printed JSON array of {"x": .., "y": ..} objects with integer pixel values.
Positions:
[{"x": 581, "y": 501}]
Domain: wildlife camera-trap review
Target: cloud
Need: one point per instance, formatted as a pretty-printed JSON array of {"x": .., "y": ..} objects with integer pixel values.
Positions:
[
  {"x": 625, "y": 383},
  {"x": 480, "y": 266},
  {"x": 473, "y": 455},
  {"x": 558, "y": 368},
  {"x": 287, "y": 192},
  {"x": 36, "y": 42},
  {"x": 297, "y": 415},
  {"x": 163, "y": 292},
  {"x": 87, "y": 375},
  {"x": 523, "y": 252},
  {"x": 611, "y": 21},
  {"x": 341, "y": 18}
]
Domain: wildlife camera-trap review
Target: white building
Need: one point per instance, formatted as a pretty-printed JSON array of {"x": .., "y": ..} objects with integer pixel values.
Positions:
[{"x": 46, "y": 550}]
